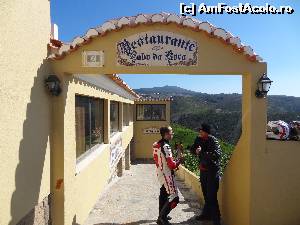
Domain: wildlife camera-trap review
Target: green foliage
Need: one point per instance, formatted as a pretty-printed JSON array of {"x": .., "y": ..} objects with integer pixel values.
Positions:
[
  {"x": 227, "y": 150},
  {"x": 187, "y": 136},
  {"x": 225, "y": 125}
]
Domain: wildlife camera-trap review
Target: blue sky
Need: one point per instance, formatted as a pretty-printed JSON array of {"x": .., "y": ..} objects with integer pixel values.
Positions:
[{"x": 274, "y": 37}]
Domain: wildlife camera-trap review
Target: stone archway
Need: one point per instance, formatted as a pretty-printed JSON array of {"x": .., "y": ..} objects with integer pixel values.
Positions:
[{"x": 207, "y": 50}]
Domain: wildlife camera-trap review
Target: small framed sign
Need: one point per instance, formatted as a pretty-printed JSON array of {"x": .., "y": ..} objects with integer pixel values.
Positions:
[
  {"x": 151, "y": 130},
  {"x": 93, "y": 58}
]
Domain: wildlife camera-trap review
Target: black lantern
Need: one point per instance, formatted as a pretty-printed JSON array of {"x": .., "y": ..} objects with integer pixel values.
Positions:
[
  {"x": 53, "y": 85},
  {"x": 263, "y": 86}
]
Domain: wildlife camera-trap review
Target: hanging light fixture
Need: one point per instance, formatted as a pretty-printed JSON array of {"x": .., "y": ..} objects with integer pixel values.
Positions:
[
  {"x": 263, "y": 86},
  {"x": 53, "y": 85}
]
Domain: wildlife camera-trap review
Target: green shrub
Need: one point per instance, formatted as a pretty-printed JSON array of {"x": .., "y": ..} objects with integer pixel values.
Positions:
[{"x": 187, "y": 136}]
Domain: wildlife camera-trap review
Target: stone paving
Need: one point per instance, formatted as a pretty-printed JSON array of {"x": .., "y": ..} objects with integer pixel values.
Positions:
[{"x": 133, "y": 200}]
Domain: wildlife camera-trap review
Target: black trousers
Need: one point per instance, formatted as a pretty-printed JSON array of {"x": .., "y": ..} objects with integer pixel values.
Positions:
[
  {"x": 163, "y": 197},
  {"x": 164, "y": 204},
  {"x": 210, "y": 186}
]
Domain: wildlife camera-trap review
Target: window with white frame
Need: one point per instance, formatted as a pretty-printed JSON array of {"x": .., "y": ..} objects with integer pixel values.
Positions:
[{"x": 89, "y": 121}]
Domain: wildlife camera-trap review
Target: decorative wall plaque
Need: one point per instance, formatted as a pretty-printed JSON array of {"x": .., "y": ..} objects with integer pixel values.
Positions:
[
  {"x": 157, "y": 48},
  {"x": 151, "y": 130},
  {"x": 93, "y": 58}
]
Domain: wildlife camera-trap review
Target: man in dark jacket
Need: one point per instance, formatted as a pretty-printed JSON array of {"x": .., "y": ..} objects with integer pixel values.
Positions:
[{"x": 207, "y": 148}]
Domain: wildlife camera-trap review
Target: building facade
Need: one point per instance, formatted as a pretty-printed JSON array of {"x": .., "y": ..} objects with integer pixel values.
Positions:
[
  {"x": 55, "y": 150},
  {"x": 150, "y": 115},
  {"x": 59, "y": 152}
]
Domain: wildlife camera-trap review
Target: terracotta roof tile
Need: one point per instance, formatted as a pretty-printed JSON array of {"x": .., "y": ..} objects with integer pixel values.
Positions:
[{"x": 123, "y": 84}]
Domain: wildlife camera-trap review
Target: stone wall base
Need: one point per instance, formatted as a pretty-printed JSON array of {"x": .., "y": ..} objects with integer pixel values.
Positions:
[
  {"x": 39, "y": 215},
  {"x": 118, "y": 169}
]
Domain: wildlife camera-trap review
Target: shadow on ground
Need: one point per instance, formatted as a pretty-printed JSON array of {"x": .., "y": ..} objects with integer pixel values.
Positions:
[{"x": 190, "y": 221}]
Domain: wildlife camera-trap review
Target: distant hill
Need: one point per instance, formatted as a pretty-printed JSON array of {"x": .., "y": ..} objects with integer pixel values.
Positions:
[
  {"x": 224, "y": 102},
  {"x": 191, "y": 108},
  {"x": 166, "y": 91}
]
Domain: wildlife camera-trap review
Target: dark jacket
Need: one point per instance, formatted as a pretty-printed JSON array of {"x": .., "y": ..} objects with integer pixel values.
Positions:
[{"x": 210, "y": 155}]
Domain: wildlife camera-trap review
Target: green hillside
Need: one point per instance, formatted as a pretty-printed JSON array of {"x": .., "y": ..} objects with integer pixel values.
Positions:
[{"x": 222, "y": 111}]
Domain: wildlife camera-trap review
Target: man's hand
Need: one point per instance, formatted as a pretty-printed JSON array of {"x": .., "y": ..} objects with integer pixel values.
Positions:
[
  {"x": 180, "y": 146},
  {"x": 181, "y": 159},
  {"x": 198, "y": 150}
]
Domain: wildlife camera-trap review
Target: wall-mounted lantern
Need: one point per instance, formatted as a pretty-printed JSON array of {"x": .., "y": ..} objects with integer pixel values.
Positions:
[
  {"x": 53, "y": 85},
  {"x": 263, "y": 86}
]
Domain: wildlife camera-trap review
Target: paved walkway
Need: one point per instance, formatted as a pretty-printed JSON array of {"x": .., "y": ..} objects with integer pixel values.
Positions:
[{"x": 133, "y": 199}]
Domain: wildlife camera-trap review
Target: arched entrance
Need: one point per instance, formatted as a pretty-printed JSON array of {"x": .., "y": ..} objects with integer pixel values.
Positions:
[{"x": 132, "y": 45}]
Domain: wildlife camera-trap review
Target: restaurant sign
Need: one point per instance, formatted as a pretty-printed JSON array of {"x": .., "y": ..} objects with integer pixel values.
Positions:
[{"x": 157, "y": 48}]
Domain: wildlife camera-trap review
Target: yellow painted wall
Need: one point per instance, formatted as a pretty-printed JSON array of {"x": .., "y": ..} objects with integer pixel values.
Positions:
[
  {"x": 235, "y": 189},
  {"x": 73, "y": 202},
  {"x": 192, "y": 181},
  {"x": 143, "y": 142},
  {"x": 24, "y": 114},
  {"x": 88, "y": 185},
  {"x": 277, "y": 184}
]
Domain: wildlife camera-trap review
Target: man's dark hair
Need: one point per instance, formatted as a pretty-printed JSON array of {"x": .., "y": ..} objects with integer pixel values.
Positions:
[
  {"x": 164, "y": 130},
  {"x": 205, "y": 127}
]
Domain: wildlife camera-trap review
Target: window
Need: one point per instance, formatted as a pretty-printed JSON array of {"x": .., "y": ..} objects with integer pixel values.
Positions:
[
  {"x": 151, "y": 112},
  {"x": 89, "y": 120},
  {"x": 114, "y": 117},
  {"x": 131, "y": 112},
  {"x": 127, "y": 114}
]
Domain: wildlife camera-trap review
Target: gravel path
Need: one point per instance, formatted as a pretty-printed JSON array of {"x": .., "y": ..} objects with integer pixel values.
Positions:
[{"x": 133, "y": 199}]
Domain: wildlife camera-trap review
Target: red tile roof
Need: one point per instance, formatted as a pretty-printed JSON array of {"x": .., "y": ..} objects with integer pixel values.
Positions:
[
  {"x": 56, "y": 43},
  {"x": 123, "y": 84},
  {"x": 164, "y": 18}
]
